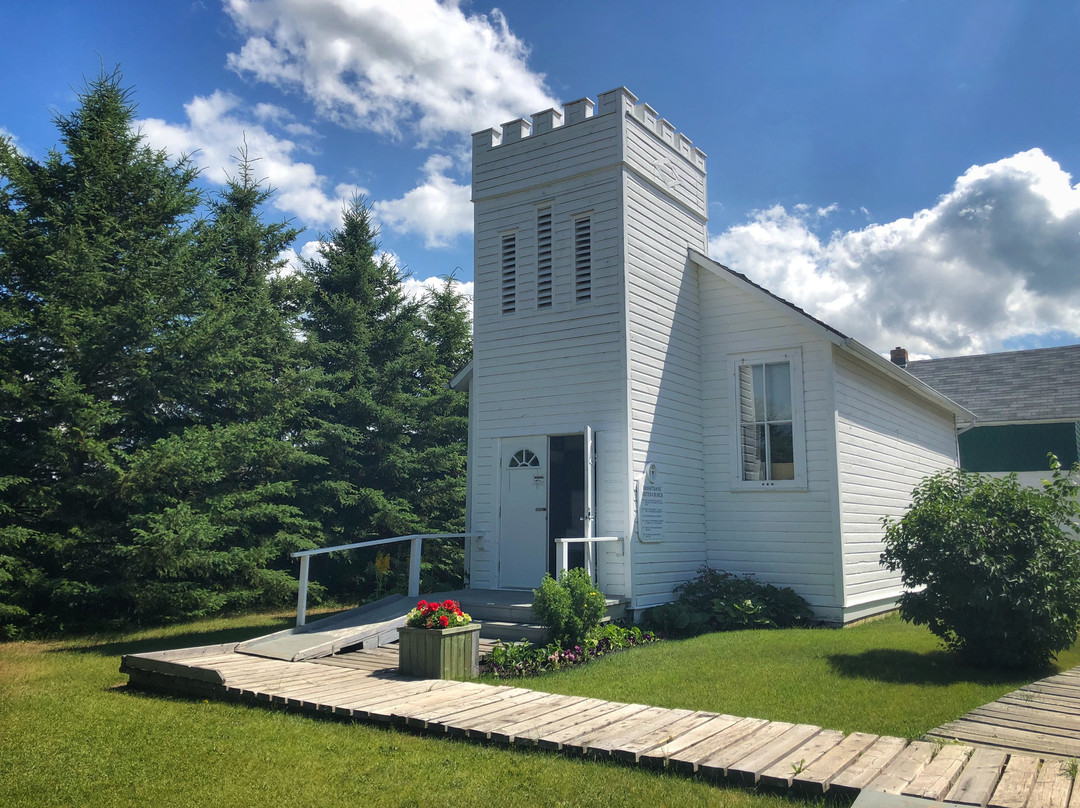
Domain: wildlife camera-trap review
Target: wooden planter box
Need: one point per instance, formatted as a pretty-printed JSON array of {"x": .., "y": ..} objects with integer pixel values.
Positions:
[{"x": 440, "y": 653}]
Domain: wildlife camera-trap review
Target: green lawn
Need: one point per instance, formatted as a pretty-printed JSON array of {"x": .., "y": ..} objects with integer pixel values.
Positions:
[
  {"x": 70, "y": 734},
  {"x": 884, "y": 676},
  {"x": 70, "y": 737}
]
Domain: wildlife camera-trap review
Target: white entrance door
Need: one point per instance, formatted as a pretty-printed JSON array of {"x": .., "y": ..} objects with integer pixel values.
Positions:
[{"x": 523, "y": 533}]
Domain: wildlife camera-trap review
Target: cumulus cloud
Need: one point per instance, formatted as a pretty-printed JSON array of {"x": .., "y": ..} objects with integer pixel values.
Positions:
[
  {"x": 219, "y": 124},
  {"x": 294, "y": 260},
  {"x": 996, "y": 258},
  {"x": 439, "y": 208},
  {"x": 416, "y": 288},
  {"x": 421, "y": 67}
]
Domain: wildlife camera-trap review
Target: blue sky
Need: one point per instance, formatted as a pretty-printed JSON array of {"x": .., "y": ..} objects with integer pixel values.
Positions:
[{"x": 903, "y": 170}]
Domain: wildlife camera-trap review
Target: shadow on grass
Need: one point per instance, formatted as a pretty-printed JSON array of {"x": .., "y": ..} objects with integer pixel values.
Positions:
[
  {"x": 922, "y": 668},
  {"x": 168, "y": 639}
]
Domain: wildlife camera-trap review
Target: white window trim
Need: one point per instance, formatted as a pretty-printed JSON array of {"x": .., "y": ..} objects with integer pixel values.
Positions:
[{"x": 794, "y": 359}]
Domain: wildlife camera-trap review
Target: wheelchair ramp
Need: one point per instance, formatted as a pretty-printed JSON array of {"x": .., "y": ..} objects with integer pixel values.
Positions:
[{"x": 368, "y": 626}]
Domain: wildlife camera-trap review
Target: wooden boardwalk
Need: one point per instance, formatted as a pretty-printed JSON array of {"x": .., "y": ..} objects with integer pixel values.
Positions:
[
  {"x": 1042, "y": 719},
  {"x": 365, "y": 686}
]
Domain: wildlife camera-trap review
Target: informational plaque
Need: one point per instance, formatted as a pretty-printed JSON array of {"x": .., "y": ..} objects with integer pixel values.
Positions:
[{"x": 650, "y": 505}]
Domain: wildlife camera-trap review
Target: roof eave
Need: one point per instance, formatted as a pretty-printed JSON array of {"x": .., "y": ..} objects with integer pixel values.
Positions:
[
  {"x": 912, "y": 383},
  {"x": 462, "y": 379},
  {"x": 852, "y": 346}
]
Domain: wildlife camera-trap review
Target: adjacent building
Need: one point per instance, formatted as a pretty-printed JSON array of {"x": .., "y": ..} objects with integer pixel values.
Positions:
[{"x": 1027, "y": 404}]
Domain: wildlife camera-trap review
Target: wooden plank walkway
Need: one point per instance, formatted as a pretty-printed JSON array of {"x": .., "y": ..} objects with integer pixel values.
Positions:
[
  {"x": 1041, "y": 719},
  {"x": 365, "y": 686}
]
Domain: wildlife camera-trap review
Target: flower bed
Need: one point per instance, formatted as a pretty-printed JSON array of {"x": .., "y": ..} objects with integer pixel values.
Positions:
[{"x": 509, "y": 660}]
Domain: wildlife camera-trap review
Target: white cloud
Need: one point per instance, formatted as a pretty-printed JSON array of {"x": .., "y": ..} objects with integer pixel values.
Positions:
[
  {"x": 416, "y": 66},
  {"x": 294, "y": 261},
  {"x": 12, "y": 138},
  {"x": 218, "y": 125},
  {"x": 439, "y": 208},
  {"x": 416, "y": 289},
  {"x": 994, "y": 259}
]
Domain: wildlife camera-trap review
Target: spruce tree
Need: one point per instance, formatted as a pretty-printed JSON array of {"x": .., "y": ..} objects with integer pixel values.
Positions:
[
  {"x": 150, "y": 388},
  {"x": 216, "y": 502},
  {"x": 440, "y": 442},
  {"x": 94, "y": 278},
  {"x": 363, "y": 337},
  {"x": 391, "y": 433}
]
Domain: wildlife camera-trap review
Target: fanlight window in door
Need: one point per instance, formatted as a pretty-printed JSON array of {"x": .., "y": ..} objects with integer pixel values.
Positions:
[{"x": 524, "y": 459}]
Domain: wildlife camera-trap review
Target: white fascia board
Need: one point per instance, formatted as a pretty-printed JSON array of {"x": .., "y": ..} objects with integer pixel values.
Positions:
[
  {"x": 913, "y": 383},
  {"x": 853, "y": 347},
  {"x": 462, "y": 379}
]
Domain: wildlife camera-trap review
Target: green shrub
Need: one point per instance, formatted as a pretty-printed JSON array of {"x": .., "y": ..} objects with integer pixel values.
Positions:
[
  {"x": 994, "y": 566},
  {"x": 570, "y": 607},
  {"x": 677, "y": 619},
  {"x": 721, "y": 601}
]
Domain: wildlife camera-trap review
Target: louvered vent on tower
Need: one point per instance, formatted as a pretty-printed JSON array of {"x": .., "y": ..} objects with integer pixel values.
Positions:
[
  {"x": 509, "y": 273},
  {"x": 543, "y": 258},
  {"x": 583, "y": 259}
]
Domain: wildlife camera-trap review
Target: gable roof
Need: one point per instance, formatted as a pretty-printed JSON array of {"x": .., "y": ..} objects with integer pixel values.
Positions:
[
  {"x": 851, "y": 346},
  {"x": 1042, "y": 384}
]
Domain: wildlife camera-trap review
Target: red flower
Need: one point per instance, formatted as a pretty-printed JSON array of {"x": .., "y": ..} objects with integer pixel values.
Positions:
[
  {"x": 421, "y": 605},
  {"x": 449, "y": 604},
  {"x": 444, "y": 621}
]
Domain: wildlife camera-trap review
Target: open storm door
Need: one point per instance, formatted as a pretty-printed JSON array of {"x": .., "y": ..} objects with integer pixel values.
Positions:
[{"x": 590, "y": 498}]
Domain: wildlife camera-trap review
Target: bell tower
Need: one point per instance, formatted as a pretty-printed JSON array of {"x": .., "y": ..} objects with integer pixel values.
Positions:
[{"x": 584, "y": 308}]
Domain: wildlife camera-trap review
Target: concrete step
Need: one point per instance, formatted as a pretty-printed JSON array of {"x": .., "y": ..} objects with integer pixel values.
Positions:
[
  {"x": 516, "y": 607},
  {"x": 513, "y": 632}
]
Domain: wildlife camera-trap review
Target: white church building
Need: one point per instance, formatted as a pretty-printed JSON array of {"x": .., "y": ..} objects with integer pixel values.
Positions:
[{"x": 628, "y": 390}]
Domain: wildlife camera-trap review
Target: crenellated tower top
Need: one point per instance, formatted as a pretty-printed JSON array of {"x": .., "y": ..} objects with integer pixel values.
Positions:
[{"x": 618, "y": 102}]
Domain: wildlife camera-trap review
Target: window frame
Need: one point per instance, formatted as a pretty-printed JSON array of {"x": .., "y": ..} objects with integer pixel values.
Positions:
[{"x": 793, "y": 358}]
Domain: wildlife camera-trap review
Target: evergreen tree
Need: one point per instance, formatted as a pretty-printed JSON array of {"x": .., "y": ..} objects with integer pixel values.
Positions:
[
  {"x": 94, "y": 278},
  {"x": 216, "y": 502},
  {"x": 149, "y": 385},
  {"x": 441, "y": 441},
  {"x": 176, "y": 412},
  {"x": 391, "y": 433},
  {"x": 363, "y": 336}
]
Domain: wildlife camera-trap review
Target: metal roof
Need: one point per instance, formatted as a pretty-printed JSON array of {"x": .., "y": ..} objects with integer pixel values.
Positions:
[{"x": 1042, "y": 384}]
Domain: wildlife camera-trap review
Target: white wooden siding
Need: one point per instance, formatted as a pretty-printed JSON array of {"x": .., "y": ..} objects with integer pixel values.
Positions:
[
  {"x": 887, "y": 440},
  {"x": 550, "y": 371},
  {"x": 665, "y": 214},
  {"x": 787, "y": 538}
]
